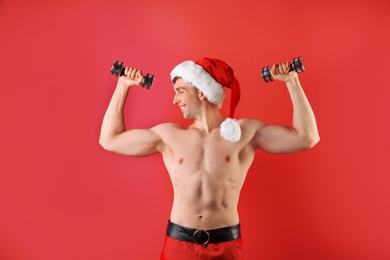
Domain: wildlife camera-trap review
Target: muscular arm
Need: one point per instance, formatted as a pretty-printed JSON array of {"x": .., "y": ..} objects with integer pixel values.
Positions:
[
  {"x": 114, "y": 136},
  {"x": 303, "y": 134}
]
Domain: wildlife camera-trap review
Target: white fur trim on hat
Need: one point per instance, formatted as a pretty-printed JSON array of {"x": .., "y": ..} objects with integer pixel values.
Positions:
[
  {"x": 230, "y": 130},
  {"x": 195, "y": 75}
]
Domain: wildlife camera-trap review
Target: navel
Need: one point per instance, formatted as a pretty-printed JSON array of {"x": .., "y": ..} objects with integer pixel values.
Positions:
[
  {"x": 181, "y": 160},
  {"x": 200, "y": 217},
  {"x": 228, "y": 158}
]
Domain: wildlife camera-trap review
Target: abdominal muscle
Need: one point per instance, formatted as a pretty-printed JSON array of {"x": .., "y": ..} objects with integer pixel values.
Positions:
[{"x": 205, "y": 200}]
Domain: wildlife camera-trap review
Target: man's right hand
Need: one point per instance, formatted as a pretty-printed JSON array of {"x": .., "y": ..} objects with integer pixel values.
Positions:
[
  {"x": 133, "y": 77},
  {"x": 281, "y": 71}
]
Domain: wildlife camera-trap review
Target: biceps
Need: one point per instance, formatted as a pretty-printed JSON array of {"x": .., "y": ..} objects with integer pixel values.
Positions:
[
  {"x": 277, "y": 139},
  {"x": 136, "y": 142}
]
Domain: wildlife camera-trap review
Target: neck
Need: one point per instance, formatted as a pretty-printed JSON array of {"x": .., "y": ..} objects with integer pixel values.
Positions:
[{"x": 209, "y": 119}]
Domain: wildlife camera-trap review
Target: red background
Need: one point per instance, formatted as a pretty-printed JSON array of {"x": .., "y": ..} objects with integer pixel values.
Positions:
[{"x": 63, "y": 197}]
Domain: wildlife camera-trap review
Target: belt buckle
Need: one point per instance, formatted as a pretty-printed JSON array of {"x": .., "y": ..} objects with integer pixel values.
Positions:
[{"x": 199, "y": 231}]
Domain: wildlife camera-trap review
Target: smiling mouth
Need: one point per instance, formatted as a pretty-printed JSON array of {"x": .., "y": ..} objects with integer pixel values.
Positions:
[{"x": 182, "y": 107}]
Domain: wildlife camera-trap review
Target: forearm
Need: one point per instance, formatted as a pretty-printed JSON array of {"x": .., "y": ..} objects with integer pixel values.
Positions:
[
  {"x": 113, "y": 120},
  {"x": 304, "y": 121}
]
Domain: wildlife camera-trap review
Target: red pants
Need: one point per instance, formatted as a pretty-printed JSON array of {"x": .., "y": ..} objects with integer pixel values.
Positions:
[{"x": 174, "y": 249}]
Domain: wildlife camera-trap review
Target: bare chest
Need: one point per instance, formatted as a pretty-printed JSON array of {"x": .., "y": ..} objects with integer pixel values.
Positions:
[{"x": 197, "y": 153}]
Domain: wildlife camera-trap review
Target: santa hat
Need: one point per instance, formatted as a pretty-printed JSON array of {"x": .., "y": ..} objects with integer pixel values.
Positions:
[{"x": 211, "y": 76}]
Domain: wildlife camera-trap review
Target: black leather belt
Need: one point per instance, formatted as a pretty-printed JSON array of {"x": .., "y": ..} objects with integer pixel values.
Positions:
[{"x": 203, "y": 237}]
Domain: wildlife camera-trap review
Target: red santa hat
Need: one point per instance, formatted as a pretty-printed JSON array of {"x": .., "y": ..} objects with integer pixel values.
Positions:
[{"x": 211, "y": 76}]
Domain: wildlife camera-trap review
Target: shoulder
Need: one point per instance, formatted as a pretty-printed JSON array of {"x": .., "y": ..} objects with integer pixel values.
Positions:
[
  {"x": 250, "y": 128},
  {"x": 250, "y": 123},
  {"x": 167, "y": 128}
]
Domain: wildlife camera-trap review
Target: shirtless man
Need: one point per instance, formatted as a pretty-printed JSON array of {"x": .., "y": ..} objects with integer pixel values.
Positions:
[{"x": 207, "y": 161}]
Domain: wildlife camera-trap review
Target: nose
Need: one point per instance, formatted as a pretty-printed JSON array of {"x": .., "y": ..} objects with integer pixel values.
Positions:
[{"x": 175, "y": 100}]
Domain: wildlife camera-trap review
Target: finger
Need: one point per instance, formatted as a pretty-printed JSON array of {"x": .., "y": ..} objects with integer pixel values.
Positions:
[
  {"x": 277, "y": 68},
  {"x": 273, "y": 70},
  {"x": 130, "y": 72},
  {"x": 127, "y": 69},
  {"x": 133, "y": 73},
  {"x": 139, "y": 73},
  {"x": 287, "y": 65},
  {"x": 280, "y": 68}
]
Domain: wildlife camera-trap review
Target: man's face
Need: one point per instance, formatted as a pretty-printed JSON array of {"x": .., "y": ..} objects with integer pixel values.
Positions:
[{"x": 187, "y": 98}]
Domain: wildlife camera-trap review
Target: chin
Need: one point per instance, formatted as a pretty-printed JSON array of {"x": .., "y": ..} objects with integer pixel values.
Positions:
[{"x": 186, "y": 116}]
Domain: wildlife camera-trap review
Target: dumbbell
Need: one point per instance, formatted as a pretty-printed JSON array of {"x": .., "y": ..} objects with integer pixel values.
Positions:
[
  {"x": 296, "y": 65},
  {"x": 118, "y": 69}
]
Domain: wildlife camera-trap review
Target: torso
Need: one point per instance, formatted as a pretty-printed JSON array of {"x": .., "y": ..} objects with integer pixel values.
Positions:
[{"x": 207, "y": 174}]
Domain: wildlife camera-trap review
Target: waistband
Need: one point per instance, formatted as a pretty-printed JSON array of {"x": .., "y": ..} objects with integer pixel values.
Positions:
[{"x": 203, "y": 237}]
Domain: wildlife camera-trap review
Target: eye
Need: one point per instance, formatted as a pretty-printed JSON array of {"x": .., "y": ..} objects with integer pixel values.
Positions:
[{"x": 179, "y": 91}]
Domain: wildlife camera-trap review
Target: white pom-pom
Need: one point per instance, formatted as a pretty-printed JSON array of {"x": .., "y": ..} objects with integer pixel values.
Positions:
[{"x": 230, "y": 130}]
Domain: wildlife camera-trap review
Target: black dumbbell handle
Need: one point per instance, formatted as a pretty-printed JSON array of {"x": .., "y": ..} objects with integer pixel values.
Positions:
[{"x": 118, "y": 69}]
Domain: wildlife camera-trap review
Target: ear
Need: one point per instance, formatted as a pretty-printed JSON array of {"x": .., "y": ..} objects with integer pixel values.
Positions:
[{"x": 201, "y": 95}]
